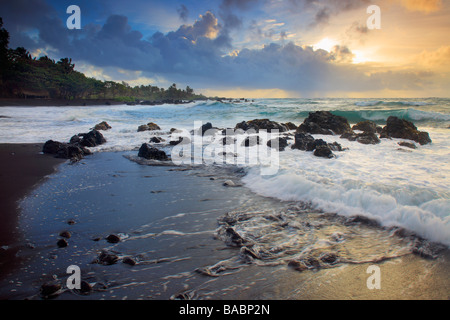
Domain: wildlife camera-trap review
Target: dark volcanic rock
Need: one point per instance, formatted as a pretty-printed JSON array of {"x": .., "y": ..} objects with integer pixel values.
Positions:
[
  {"x": 92, "y": 138},
  {"x": 65, "y": 234},
  {"x": 324, "y": 122},
  {"x": 279, "y": 143},
  {"x": 62, "y": 243},
  {"x": 367, "y": 138},
  {"x": 102, "y": 126},
  {"x": 303, "y": 142},
  {"x": 290, "y": 126},
  {"x": 261, "y": 124},
  {"x": 323, "y": 151},
  {"x": 148, "y": 152},
  {"x": 50, "y": 289},
  {"x": 407, "y": 144},
  {"x": 112, "y": 238},
  {"x": 251, "y": 141},
  {"x": 156, "y": 140},
  {"x": 151, "y": 126},
  {"x": 107, "y": 258},
  {"x": 366, "y": 126},
  {"x": 400, "y": 128},
  {"x": 62, "y": 150}
]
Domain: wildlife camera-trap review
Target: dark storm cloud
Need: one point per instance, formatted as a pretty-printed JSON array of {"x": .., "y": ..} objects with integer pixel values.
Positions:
[
  {"x": 198, "y": 54},
  {"x": 183, "y": 12}
]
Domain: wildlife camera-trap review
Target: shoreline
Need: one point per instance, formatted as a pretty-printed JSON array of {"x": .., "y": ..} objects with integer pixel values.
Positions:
[{"x": 23, "y": 168}]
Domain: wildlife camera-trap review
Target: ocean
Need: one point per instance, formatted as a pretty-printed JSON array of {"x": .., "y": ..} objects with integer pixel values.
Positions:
[
  {"x": 408, "y": 188},
  {"x": 302, "y": 207}
]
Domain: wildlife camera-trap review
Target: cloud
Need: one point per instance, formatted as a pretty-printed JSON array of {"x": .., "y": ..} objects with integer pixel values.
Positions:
[
  {"x": 198, "y": 54},
  {"x": 422, "y": 5},
  {"x": 183, "y": 12}
]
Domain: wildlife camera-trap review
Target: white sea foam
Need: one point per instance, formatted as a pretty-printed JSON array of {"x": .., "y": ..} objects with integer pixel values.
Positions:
[{"x": 409, "y": 188}]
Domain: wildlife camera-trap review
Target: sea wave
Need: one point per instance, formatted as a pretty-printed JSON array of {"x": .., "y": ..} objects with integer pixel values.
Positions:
[{"x": 380, "y": 116}]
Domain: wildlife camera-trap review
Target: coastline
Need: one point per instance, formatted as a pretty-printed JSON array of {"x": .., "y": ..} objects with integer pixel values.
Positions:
[
  {"x": 15, "y": 102},
  {"x": 23, "y": 167}
]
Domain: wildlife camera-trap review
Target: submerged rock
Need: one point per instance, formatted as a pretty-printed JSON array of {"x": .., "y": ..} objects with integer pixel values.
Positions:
[
  {"x": 148, "y": 152},
  {"x": 50, "y": 289},
  {"x": 324, "y": 122},
  {"x": 403, "y": 129},
  {"x": 106, "y": 258},
  {"x": 407, "y": 145}
]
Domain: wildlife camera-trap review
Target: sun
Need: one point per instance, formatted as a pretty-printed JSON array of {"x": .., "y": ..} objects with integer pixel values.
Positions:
[{"x": 326, "y": 44}]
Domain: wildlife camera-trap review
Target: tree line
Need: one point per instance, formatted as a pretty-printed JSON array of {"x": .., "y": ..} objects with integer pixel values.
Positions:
[{"x": 22, "y": 76}]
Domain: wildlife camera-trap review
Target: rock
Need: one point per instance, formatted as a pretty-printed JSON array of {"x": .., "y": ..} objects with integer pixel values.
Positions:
[
  {"x": 85, "y": 288},
  {"x": 62, "y": 243},
  {"x": 229, "y": 183},
  {"x": 92, "y": 139},
  {"x": 50, "y": 289},
  {"x": 329, "y": 257},
  {"x": 112, "y": 238},
  {"x": 297, "y": 265},
  {"x": 290, "y": 126},
  {"x": 228, "y": 141},
  {"x": 364, "y": 138},
  {"x": 279, "y": 143},
  {"x": 151, "y": 126},
  {"x": 71, "y": 222},
  {"x": 366, "y": 126},
  {"x": 102, "y": 126},
  {"x": 130, "y": 261},
  {"x": 324, "y": 122},
  {"x": 65, "y": 234},
  {"x": 403, "y": 129},
  {"x": 156, "y": 140},
  {"x": 207, "y": 126},
  {"x": 261, "y": 124},
  {"x": 367, "y": 138},
  {"x": 251, "y": 141},
  {"x": 234, "y": 238},
  {"x": 407, "y": 145},
  {"x": 323, "y": 151},
  {"x": 303, "y": 142},
  {"x": 62, "y": 150},
  {"x": 336, "y": 146},
  {"x": 107, "y": 258},
  {"x": 148, "y": 152}
]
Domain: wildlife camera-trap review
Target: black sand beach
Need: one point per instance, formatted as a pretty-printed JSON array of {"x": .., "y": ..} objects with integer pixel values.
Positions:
[
  {"x": 22, "y": 168},
  {"x": 175, "y": 241}
]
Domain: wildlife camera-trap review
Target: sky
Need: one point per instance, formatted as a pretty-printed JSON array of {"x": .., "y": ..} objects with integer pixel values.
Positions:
[{"x": 248, "y": 48}]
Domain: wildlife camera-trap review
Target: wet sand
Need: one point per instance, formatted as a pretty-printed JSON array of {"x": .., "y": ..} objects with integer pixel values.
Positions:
[
  {"x": 171, "y": 223},
  {"x": 22, "y": 167}
]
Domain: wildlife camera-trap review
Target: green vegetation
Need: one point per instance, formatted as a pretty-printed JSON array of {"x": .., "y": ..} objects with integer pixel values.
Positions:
[{"x": 22, "y": 76}]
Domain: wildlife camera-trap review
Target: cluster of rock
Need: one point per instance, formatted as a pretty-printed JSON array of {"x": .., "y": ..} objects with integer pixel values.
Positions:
[
  {"x": 319, "y": 122},
  {"x": 148, "y": 127},
  {"x": 76, "y": 148}
]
